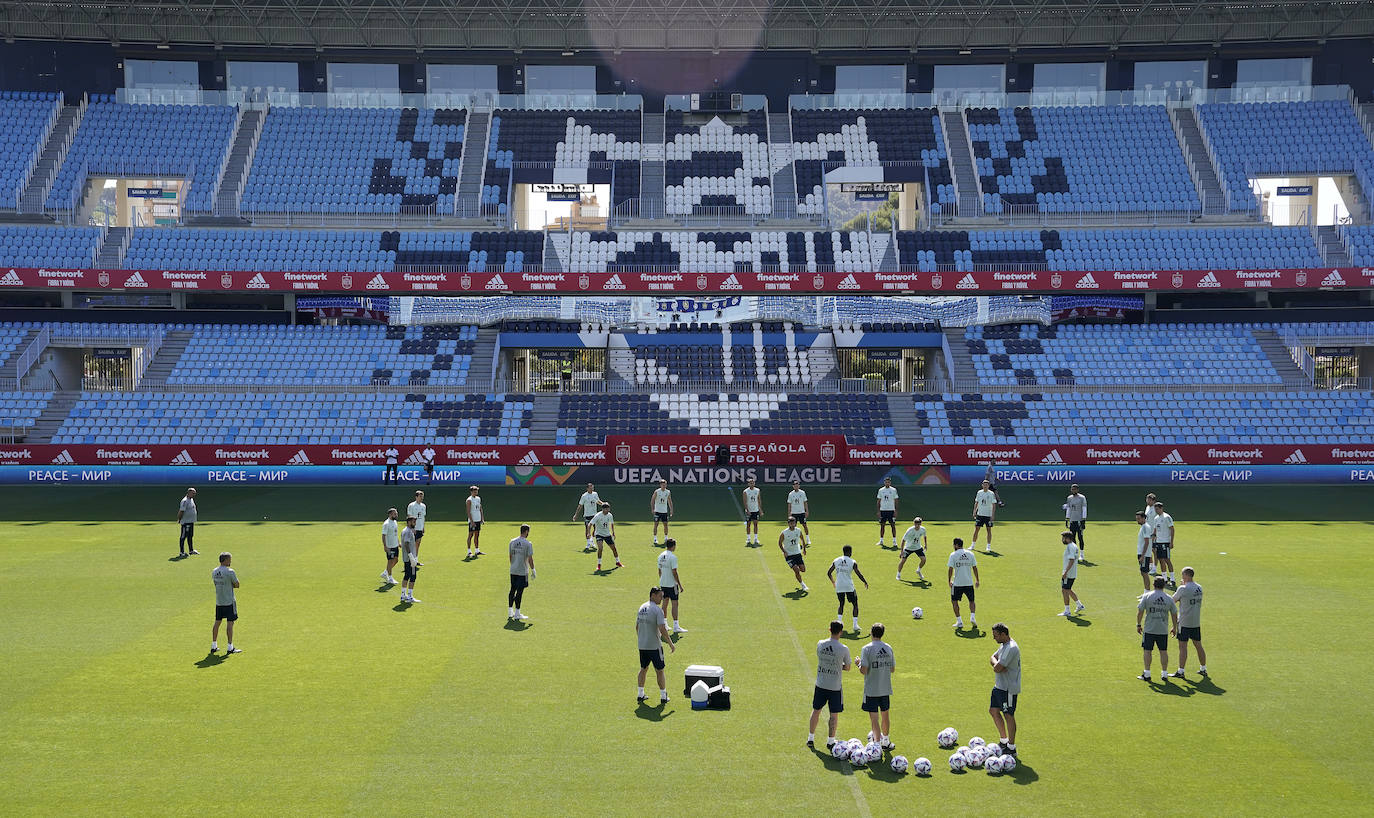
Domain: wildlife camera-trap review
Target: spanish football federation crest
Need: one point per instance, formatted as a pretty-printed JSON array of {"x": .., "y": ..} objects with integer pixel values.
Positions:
[
  {"x": 818, "y": 281},
  {"x": 465, "y": 282},
  {"x": 1177, "y": 280},
  {"x": 827, "y": 452},
  {"x": 1302, "y": 278},
  {"x": 584, "y": 282},
  {"x": 346, "y": 281},
  {"x": 622, "y": 453},
  {"x": 701, "y": 282},
  {"x": 1056, "y": 280},
  {"x": 226, "y": 281},
  {"x": 937, "y": 281},
  {"x": 103, "y": 279}
]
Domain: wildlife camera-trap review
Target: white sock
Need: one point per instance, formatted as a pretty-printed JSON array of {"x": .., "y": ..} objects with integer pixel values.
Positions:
[
  {"x": 231, "y": 646},
  {"x": 884, "y": 738},
  {"x": 641, "y": 691},
  {"x": 510, "y": 611},
  {"x": 856, "y": 623},
  {"x": 1066, "y": 609},
  {"x": 1201, "y": 667},
  {"x": 517, "y": 612},
  {"x": 214, "y": 645},
  {"x": 810, "y": 736},
  {"x": 662, "y": 693},
  {"x": 972, "y": 618},
  {"x": 676, "y": 624}
]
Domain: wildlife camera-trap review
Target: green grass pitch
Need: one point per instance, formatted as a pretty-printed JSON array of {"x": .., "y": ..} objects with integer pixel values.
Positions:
[{"x": 345, "y": 703}]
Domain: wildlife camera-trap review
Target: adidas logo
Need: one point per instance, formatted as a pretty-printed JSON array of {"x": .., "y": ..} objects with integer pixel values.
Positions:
[
  {"x": 183, "y": 459},
  {"x": 11, "y": 279},
  {"x": 135, "y": 280},
  {"x": 613, "y": 283},
  {"x": 64, "y": 459},
  {"x": 299, "y": 459},
  {"x": 1209, "y": 280},
  {"x": 1295, "y": 458},
  {"x": 731, "y": 283},
  {"x": 848, "y": 283},
  {"x": 1333, "y": 279},
  {"x": 530, "y": 459},
  {"x": 1087, "y": 282},
  {"x": 415, "y": 459},
  {"x": 257, "y": 282},
  {"x": 377, "y": 283},
  {"x": 497, "y": 283},
  {"x": 933, "y": 459},
  {"x": 1173, "y": 458},
  {"x": 968, "y": 282},
  {"x": 1052, "y": 459}
]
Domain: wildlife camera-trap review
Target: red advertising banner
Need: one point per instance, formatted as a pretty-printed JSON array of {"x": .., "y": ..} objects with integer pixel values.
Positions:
[
  {"x": 648, "y": 450},
  {"x": 652, "y": 283}
]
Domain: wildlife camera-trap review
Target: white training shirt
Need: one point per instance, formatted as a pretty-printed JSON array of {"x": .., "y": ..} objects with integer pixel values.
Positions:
[
  {"x": 391, "y": 455},
  {"x": 661, "y": 500},
  {"x": 1150, "y": 514},
  {"x": 667, "y": 563},
  {"x": 188, "y": 510},
  {"x": 985, "y": 500},
  {"x": 418, "y": 511},
  {"x": 391, "y": 533},
  {"x": 428, "y": 454},
  {"x": 601, "y": 523},
  {"x": 791, "y": 541},
  {"x": 751, "y": 499},
  {"x": 796, "y": 502},
  {"x": 887, "y": 498},
  {"x": 1142, "y": 545},
  {"x": 1164, "y": 529},
  {"x": 589, "y": 502},
  {"x": 844, "y": 574},
  {"x": 962, "y": 561},
  {"x": 914, "y": 538},
  {"x": 475, "y": 509},
  {"x": 1071, "y": 552}
]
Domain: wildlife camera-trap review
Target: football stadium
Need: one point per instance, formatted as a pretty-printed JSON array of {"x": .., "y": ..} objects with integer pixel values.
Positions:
[{"x": 480, "y": 363}]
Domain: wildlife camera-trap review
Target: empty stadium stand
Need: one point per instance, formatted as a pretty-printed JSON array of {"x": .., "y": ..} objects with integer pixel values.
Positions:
[
  {"x": 23, "y": 246},
  {"x": 589, "y": 418},
  {"x": 727, "y": 251},
  {"x": 28, "y": 116},
  {"x": 713, "y": 164},
  {"x": 530, "y": 146}
]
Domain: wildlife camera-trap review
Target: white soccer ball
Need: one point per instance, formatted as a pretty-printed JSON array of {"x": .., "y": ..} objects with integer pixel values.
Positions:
[
  {"x": 874, "y": 750},
  {"x": 977, "y": 741},
  {"x": 957, "y": 762},
  {"x": 921, "y": 766},
  {"x": 1008, "y": 763},
  {"x": 899, "y": 764},
  {"x": 858, "y": 759},
  {"x": 975, "y": 756},
  {"x": 948, "y": 737},
  {"x": 993, "y": 750},
  {"x": 855, "y": 745},
  {"x": 993, "y": 765},
  {"x": 840, "y": 750},
  {"x": 917, "y": 613}
]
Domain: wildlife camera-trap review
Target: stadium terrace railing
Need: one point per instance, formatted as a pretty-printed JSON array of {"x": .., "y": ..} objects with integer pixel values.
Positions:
[
  {"x": 323, "y": 215},
  {"x": 655, "y": 209},
  {"x": 1035, "y": 214},
  {"x": 683, "y": 102},
  {"x": 36, "y": 154},
  {"x": 282, "y": 98},
  {"x": 26, "y": 359}
]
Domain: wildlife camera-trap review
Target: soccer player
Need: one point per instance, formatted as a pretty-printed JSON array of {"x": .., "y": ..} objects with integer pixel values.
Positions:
[
  {"x": 832, "y": 659},
  {"x": 588, "y": 504},
  {"x": 1164, "y": 542},
  {"x": 474, "y": 504},
  {"x": 1006, "y": 686},
  {"x": 391, "y": 545},
  {"x": 419, "y": 511},
  {"x": 753, "y": 510},
  {"x": 661, "y": 506},
  {"x": 410, "y": 555},
  {"x": 669, "y": 580},
  {"x": 990, "y": 477},
  {"x": 1144, "y": 538},
  {"x": 226, "y": 608},
  {"x": 793, "y": 549},
  {"x": 393, "y": 459},
  {"x": 427, "y": 455},
  {"x": 1150, "y": 518},
  {"x": 1160, "y": 616},
  {"x": 984, "y": 514},
  {"x": 652, "y": 627},
  {"x": 186, "y": 518},
  {"x": 914, "y": 542},
  {"x": 876, "y": 663},
  {"x": 521, "y": 572},
  {"x": 799, "y": 507},
  {"x": 841, "y": 574},
  {"x": 1072, "y": 556},
  {"x": 963, "y": 578},
  {"x": 1076, "y": 514},
  {"x": 887, "y": 510},
  {"x": 604, "y": 526},
  {"x": 1188, "y": 597}
]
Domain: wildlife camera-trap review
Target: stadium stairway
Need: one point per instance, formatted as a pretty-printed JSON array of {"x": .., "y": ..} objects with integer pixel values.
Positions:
[
  {"x": 110, "y": 256},
  {"x": 54, "y": 414},
  {"x": 1331, "y": 247},
  {"x": 480, "y": 374},
  {"x": 54, "y": 152},
  {"x": 651, "y": 168},
  {"x": 544, "y": 420},
  {"x": 784, "y": 172},
  {"x": 1272, "y": 347},
  {"x": 961, "y": 163},
  {"x": 1208, "y": 187},
  {"x": 904, "y": 421},
  {"x": 553, "y": 254},
  {"x": 173, "y": 344},
  {"x": 474, "y": 164},
  {"x": 961, "y": 362},
  {"x": 240, "y": 160}
]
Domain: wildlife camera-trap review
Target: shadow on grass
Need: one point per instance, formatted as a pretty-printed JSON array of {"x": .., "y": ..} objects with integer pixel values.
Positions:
[
  {"x": 893, "y": 547},
  {"x": 1206, "y": 686},
  {"x": 829, "y": 761},
  {"x": 35, "y": 522},
  {"x": 518, "y": 625},
  {"x": 402, "y": 606},
  {"x": 852, "y": 635},
  {"x": 212, "y": 659},
  {"x": 1166, "y": 687},
  {"x": 85, "y": 525},
  {"x": 1023, "y": 774},
  {"x": 993, "y": 553},
  {"x": 971, "y": 633},
  {"x": 881, "y": 770},
  {"x": 603, "y": 572},
  {"x": 1080, "y": 620},
  {"x": 916, "y": 583},
  {"x": 178, "y": 558},
  {"x": 652, "y": 712},
  {"x": 753, "y": 545},
  {"x": 385, "y": 587},
  {"x": 797, "y": 594}
]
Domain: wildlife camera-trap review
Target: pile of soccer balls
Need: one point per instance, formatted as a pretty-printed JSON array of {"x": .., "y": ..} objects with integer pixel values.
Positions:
[
  {"x": 858, "y": 753},
  {"x": 977, "y": 754}
]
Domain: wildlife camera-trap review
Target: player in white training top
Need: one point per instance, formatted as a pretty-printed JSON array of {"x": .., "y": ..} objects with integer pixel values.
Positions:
[
  {"x": 842, "y": 572},
  {"x": 1072, "y": 556},
  {"x": 753, "y": 510},
  {"x": 186, "y": 519},
  {"x": 1165, "y": 539},
  {"x": 391, "y": 545},
  {"x": 427, "y": 456},
  {"x": 669, "y": 580},
  {"x": 661, "y": 507},
  {"x": 984, "y": 515},
  {"x": 914, "y": 542},
  {"x": 799, "y": 507},
  {"x": 1144, "y": 543},
  {"x": 793, "y": 549},
  {"x": 587, "y": 506},
  {"x": 420, "y": 512},
  {"x": 603, "y": 526},
  {"x": 887, "y": 510},
  {"x": 475, "y": 520}
]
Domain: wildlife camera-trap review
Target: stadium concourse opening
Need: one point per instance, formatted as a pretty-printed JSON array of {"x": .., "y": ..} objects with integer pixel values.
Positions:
[{"x": 142, "y": 202}]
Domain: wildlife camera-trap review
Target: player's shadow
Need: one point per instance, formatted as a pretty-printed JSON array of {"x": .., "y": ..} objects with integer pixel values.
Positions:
[
  {"x": 831, "y": 763},
  {"x": 603, "y": 572},
  {"x": 852, "y": 635},
  {"x": 212, "y": 659},
  {"x": 753, "y": 545},
  {"x": 970, "y": 633},
  {"x": 1085, "y": 563},
  {"x": 1206, "y": 686},
  {"x": 1023, "y": 774},
  {"x": 797, "y": 594},
  {"x": 178, "y": 558},
  {"x": 917, "y": 583},
  {"x": 993, "y": 553},
  {"x": 1167, "y": 687},
  {"x": 892, "y": 547},
  {"x": 402, "y": 606},
  {"x": 385, "y": 587},
  {"x": 518, "y": 625},
  {"x": 652, "y": 712},
  {"x": 1080, "y": 620},
  {"x": 881, "y": 770},
  {"x": 469, "y": 558}
]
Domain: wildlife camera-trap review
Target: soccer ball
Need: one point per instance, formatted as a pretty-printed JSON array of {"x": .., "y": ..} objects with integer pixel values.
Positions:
[
  {"x": 899, "y": 764},
  {"x": 921, "y": 766},
  {"x": 993, "y": 765},
  {"x": 855, "y": 745},
  {"x": 957, "y": 762},
  {"x": 1007, "y": 763},
  {"x": 977, "y": 741},
  {"x": 858, "y": 759},
  {"x": 840, "y": 750},
  {"x": 948, "y": 737},
  {"x": 993, "y": 750},
  {"x": 917, "y": 613},
  {"x": 975, "y": 756},
  {"x": 874, "y": 750}
]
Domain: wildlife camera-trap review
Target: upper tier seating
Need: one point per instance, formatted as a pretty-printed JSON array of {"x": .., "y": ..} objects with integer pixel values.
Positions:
[
  {"x": 1359, "y": 243},
  {"x": 149, "y": 141},
  {"x": 19, "y": 411},
  {"x": 288, "y": 418},
  {"x": 1080, "y": 160},
  {"x": 561, "y": 141},
  {"x": 587, "y": 419},
  {"x": 711, "y": 164},
  {"x": 11, "y": 336},
  {"x": 356, "y": 160},
  {"x": 1157, "y": 358},
  {"x": 1283, "y": 139},
  {"x": 1185, "y": 417},
  {"x": 795, "y": 251},
  {"x": 28, "y": 117},
  {"x": 345, "y": 250},
  {"x": 268, "y": 355},
  {"x": 48, "y": 246},
  {"x": 907, "y": 142}
]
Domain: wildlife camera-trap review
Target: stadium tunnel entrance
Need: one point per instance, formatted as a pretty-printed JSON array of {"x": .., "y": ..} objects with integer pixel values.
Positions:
[
  {"x": 554, "y": 370},
  {"x": 1305, "y": 200},
  {"x": 130, "y": 202},
  {"x": 561, "y": 206}
]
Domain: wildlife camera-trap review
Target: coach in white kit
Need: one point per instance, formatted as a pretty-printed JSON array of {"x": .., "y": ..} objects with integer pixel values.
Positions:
[{"x": 186, "y": 518}]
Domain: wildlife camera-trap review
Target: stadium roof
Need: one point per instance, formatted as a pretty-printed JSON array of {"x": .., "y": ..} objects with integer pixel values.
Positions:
[{"x": 608, "y": 25}]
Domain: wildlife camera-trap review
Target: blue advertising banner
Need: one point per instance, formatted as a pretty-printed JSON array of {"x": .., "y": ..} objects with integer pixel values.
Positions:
[
  {"x": 1158, "y": 475},
  {"x": 244, "y": 475}
]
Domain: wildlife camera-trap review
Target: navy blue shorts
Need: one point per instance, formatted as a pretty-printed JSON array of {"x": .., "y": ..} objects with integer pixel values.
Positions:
[
  {"x": 887, "y": 517},
  {"x": 660, "y": 516},
  {"x": 852, "y": 596},
  {"x": 920, "y": 552},
  {"x": 229, "y": 612},
  {"x": 960, "y": 591},
  {"x": 1161, "y": 551},
  {"x": 392, "y": 553},
  {"x": 1077, "y": 525},
  {"x": 796, "y": 560},
  {"x": 651, "y": 657},
  {"x": 669, "y": 591},
  {"x": 981, "y": 520},
  {"x": 1155, "y": 640},
  {"x": 801, "y": 516},
  {"x": 831, "y": 699},
  {"x": 608, "y": 540},
  {"x": 411, "y": 569},
  {"x": 519, "y": 581},
  {"x": 1004, "y": 701},
  {"x": 753, "y": 516},
  {"x": 475, "y": 525},
  {"x": 1144, "y": 563},
  {"x": 1067, "y": 584},
  {"x": 1186, "y": 633},
  {"x": 876, "y": 704}
]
